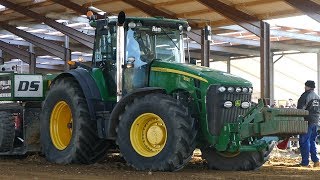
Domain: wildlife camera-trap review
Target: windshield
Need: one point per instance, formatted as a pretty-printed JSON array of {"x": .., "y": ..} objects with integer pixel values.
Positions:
[{"x": 153, "y": 42}]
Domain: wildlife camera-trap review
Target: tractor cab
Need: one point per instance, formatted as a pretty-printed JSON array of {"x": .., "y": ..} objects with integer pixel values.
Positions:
[{"x": 127, "y": 50}]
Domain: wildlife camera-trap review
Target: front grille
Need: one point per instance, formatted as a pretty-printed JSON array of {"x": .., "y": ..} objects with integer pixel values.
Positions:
[
  {"x": 231, "y": 114},
  {"x": 218, "y": 115}
]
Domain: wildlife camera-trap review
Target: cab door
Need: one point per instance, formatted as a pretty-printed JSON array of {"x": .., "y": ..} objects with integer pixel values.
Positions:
[{"x": 104, "y": 57}]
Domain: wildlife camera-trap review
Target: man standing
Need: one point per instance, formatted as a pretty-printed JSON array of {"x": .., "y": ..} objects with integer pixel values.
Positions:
[{"x": 310, "y": 101}]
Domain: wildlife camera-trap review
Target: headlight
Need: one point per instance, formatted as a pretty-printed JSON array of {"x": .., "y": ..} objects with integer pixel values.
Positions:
[
  {"x": 238, "y": 89},
  {"x": 231, "y": 89},
  {"x": 222, "y": 89},
  {"x": 245, "y": 90},
  {"x": 245, "y": 105},
  {"x": 250, "y": 90},
  {"x": 227, "y": 104}
]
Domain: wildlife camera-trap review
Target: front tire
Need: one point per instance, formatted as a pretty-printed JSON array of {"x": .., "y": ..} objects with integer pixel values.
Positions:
[
  {"x": 239, "y": 161},
  {"x": 156, "y": 133},
  {"x": 68, "y": 135}
]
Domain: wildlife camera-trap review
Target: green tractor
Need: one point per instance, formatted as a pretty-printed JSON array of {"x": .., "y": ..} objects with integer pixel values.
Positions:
[{"x": 141, "y": 95}]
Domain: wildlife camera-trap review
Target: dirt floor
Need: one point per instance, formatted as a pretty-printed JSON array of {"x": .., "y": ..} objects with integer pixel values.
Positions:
[{"x": 36, "y": 167}]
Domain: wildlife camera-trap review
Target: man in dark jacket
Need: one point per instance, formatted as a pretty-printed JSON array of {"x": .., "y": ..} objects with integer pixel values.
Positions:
[{"x": 310, "y": 101}]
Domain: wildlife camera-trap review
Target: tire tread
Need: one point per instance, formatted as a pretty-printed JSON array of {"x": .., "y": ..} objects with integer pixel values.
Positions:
[
  {"x": 184, "y": 125},
  {"x": 88, "y": 148},
  {"x": 7, "y": 131}
]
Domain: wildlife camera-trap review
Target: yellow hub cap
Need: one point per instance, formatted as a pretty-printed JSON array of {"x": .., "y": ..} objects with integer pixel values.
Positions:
[
  {"x": 61, "y": 125},
  {"x": 148, "y": 134}
]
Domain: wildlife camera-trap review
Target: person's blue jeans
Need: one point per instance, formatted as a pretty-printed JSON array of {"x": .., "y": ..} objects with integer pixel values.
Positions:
[{"x": 308, "y": 145}]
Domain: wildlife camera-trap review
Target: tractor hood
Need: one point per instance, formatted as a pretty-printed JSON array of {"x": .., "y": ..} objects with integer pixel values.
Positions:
[{"x": 204, "y": 74}]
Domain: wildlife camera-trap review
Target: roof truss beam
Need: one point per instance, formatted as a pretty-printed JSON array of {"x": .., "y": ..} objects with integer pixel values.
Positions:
[
  {"x": 275, "y": 32},
  {"x": 152, "y": 11},
  {"x": 248, "y": 22},
  {"x": 15, "y": 51},
  {"x": 28, "y": 5},
  {"x": 51, "y": 47},
  {"x": 75, "y": 7},
  {"x": 195, "y": 35},
  {"x": 213, "y": 56},
  {"x": 72, "y": 33},
  {"x": 71, "y": 5},
  {"x": 308, "y": 7},
  {"x": 232, "y": 50}
]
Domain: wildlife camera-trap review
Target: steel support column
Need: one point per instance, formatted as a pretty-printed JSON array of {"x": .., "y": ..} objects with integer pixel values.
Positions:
[
  {"x": 229, "y": 65},
  {"x": 31, "y": 48},
  {"x": 66, "y": 42},
  {"x": 72, "y": 33},
  {"x": 205, "y": 46},
  {"x": 33, "y": 61},
  {"x": 265, "y": 62},
  {"x": 67, "y": 53},
  {"x": 271, "y": 79},
  {"x": 1, "y": 58},
  {"x": 67, "y": 58},
  {"x": 318, "y": 72}
]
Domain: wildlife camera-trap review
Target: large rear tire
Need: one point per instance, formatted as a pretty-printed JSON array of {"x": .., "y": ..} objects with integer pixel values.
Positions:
[
  {"x": 239, "y": 161},
  {"x": 68, "y": 135},
  {"x": 156, "y": 133},
  {"x": 7, "y": 131}
]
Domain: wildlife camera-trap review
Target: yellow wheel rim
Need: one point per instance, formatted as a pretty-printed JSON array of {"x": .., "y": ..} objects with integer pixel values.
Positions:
[
  {"x": 61, "y": 125},
  {"x": 148, "y": 134}
]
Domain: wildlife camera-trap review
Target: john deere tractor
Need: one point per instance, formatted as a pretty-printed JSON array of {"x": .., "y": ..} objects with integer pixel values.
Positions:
[{"x": 141, "y": 95}]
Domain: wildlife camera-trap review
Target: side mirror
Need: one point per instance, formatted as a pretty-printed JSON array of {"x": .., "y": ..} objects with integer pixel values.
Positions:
[{"x": 121, "y": 17}]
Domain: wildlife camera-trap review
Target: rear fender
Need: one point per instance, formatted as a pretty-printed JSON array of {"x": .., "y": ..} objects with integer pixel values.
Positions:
[{"x": 88, "y": 87}]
